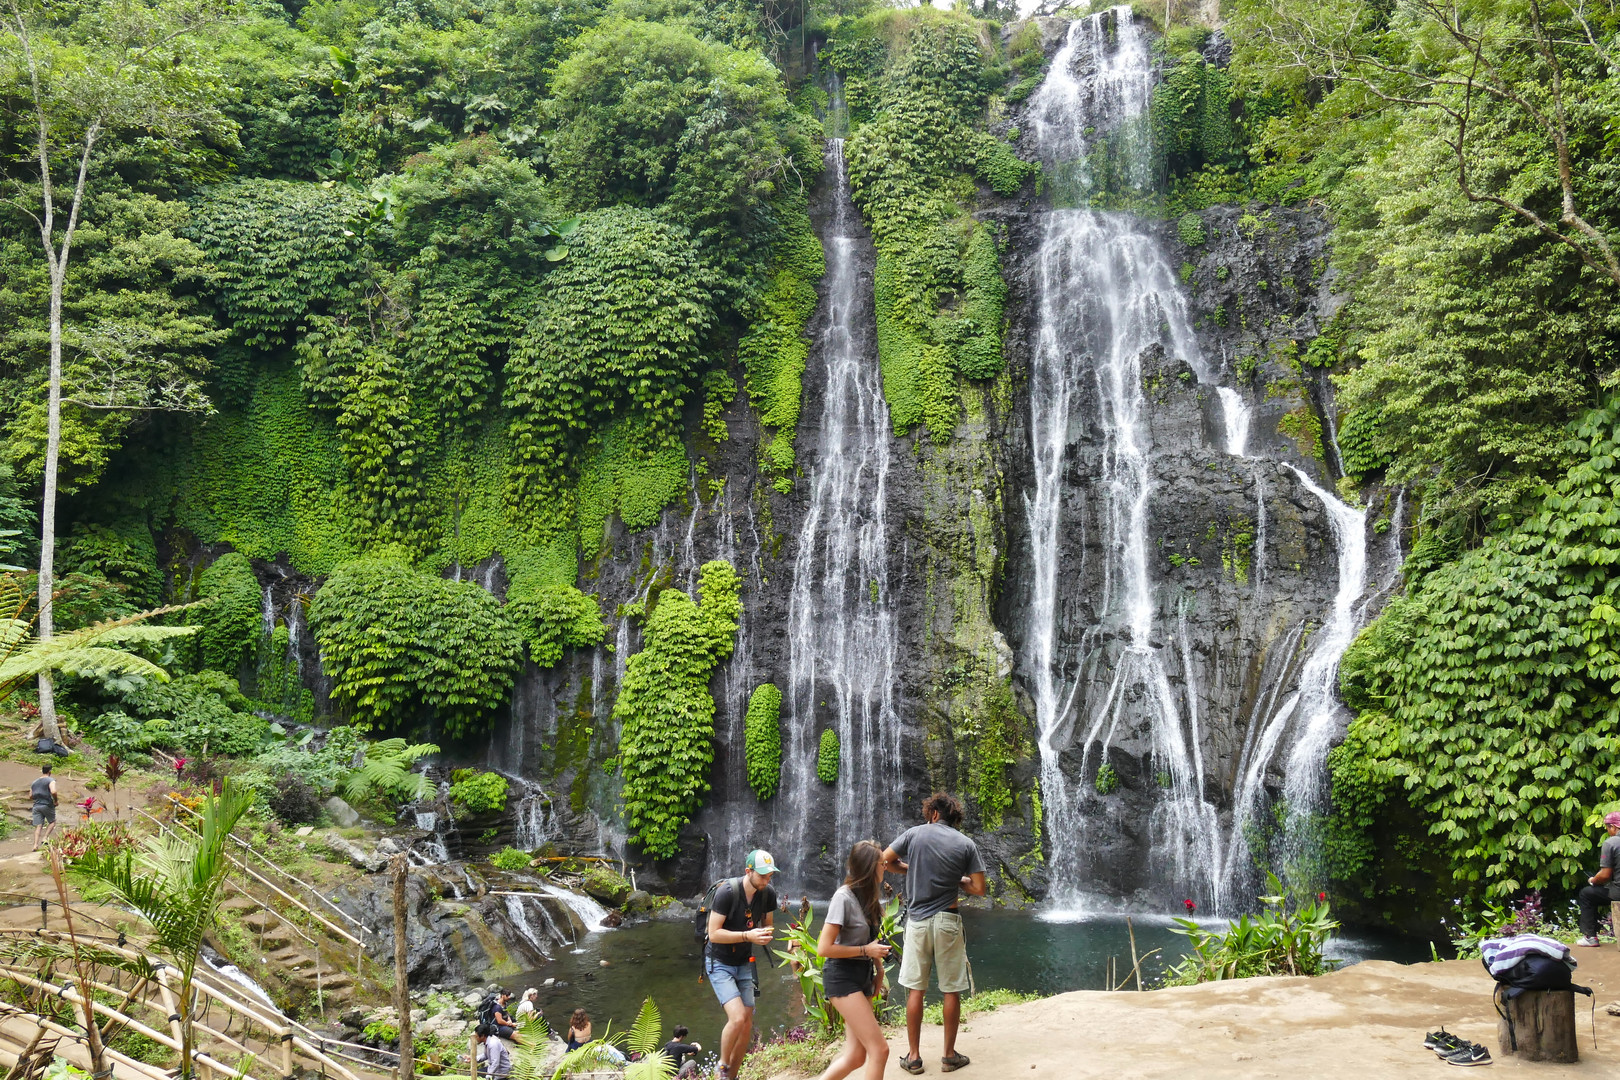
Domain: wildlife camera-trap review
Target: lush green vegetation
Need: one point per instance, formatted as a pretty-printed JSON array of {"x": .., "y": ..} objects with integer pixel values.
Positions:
[
  {"x": 827, "y": 757},
  {"x": 1466, "y": 155},
  {"x": 667, "y": 711},
  {"x": 763, "y": 740}
]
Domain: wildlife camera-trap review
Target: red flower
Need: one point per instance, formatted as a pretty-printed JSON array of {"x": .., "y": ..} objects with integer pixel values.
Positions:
[
  {"x": 1190, "y": 906},
  {"x": 88, "y": 805},
  {"x": 1321, "y": 896},
  {"x": 180, "y": 765}
]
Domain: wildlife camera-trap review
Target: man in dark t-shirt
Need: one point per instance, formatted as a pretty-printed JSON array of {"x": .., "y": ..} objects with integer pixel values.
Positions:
[
  {"x": 743, "y": 916},
  {"x": 939, "y": 863},
  {"x": 683, "y": 1054},
  {"x": 1603, "y": 887}
]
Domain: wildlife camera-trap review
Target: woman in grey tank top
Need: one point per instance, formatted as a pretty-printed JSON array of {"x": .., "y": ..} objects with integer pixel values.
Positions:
[{"x": 853, "y": 974}]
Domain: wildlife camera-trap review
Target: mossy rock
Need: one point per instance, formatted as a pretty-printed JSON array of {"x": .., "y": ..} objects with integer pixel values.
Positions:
[{"x": 606, "y": 886}]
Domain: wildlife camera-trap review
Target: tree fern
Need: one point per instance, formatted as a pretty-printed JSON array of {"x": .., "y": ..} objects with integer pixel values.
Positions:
[
  {"x": 92, "y": 652},
  {"x": 386, "y": 771}
]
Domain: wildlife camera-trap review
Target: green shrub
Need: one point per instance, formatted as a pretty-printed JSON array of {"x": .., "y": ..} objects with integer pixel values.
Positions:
[
  {"x": 511, "y": 860},
  {"x": 233, "y": 620},
  {"x": 1191, "y": 230},
  {"x": 827, "y": 757},
  {"x": 200, "y": 714},
  {"x": 478, "y": 792},
  {"x": 1107, "y": 779},
  {"x": 667, "y": 711},
  {"x": 404, "y": 646},
  {"x": 382, "y": 1031},
  {"x": 764, "y": 740},
  {"x": 1284, "y": 939}
]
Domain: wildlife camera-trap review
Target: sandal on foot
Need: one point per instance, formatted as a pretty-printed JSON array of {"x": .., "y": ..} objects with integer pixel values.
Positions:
[
  {"x": 911, "y": 1065},
  {"x": 954, "y": 1062}
]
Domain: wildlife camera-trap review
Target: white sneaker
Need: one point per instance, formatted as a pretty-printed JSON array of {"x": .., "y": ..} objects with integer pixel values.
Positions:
[{"x": 1589, "y": 942}]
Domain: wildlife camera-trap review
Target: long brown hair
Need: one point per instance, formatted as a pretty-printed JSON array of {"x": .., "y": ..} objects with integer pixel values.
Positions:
[{"x": 863, "y": 880}]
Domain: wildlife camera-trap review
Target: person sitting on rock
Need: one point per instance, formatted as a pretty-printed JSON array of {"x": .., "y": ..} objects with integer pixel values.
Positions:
[
  {"x": 493, "y": 1014},
  {"x": 1601, "y": 888}
]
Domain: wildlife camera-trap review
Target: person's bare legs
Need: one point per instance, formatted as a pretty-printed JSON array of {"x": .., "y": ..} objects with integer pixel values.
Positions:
[
  {"x": 914, "y": 1017},
  {"x": 953, "y": 1013},
  {"x": 863, "y": 1042},
  {"x": 734, "y": 1039}
]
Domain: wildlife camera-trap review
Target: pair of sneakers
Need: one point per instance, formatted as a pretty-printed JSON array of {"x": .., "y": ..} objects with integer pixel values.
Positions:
[{"x": 1455, "y": 1051}]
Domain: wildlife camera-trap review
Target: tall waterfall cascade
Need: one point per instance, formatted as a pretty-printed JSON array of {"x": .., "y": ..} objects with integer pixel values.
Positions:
[
  {"x": 1105, "y": 299},
  {"x": 842, "y": 630}
]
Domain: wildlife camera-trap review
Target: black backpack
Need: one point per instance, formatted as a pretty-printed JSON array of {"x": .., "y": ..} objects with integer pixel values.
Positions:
[
  {"x": 1534, "y": 972},
  {"x": 700, "y": 922}
]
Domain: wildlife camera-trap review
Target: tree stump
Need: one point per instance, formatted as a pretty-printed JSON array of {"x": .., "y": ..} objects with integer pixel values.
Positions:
[
  {"x": 1543, "y": 1026},
  {"x": 1614, "y": 920}
]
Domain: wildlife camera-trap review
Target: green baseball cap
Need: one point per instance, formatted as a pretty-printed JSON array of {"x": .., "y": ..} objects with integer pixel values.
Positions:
[{"x": 760, "y": 862}]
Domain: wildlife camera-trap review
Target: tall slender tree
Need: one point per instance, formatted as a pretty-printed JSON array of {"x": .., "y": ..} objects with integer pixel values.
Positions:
[{"x": 86, "y": 73}]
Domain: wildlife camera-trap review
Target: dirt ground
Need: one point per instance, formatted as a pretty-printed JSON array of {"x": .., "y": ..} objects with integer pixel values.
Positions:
[{"x": 1365, "y": 1022}]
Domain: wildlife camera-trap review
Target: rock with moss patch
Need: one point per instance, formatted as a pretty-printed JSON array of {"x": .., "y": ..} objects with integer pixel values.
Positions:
[{"x": 606, "y": 886}]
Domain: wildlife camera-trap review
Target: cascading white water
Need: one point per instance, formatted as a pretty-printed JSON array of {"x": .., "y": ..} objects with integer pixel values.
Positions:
[
  {"x": 842, "y": 634},
  {"x": 533, "y": 823},
  {"x": 1107, "y": 295},
  {"x": 589, "y": 911}
]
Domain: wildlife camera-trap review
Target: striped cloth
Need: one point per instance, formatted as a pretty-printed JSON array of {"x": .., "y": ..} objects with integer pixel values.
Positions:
[{"x": 1501, "y": 954}]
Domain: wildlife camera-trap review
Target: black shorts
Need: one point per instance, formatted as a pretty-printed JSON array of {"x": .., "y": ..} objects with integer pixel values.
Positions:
[{"x": 845, "y": 975}]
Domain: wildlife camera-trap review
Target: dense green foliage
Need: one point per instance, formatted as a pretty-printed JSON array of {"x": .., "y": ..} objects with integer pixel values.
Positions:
[
  {"x": 404, "y": 647},
  {"x": 827, "y": 757},
  {"x": 478, "y": 792},
  {"x": 1491, "y": 691},
  {"x": 666, "y": 708},
  {"x": 232, "y": 624},
  {"x": 763, "y": 740},
  {"x": 925, "y": 78}
]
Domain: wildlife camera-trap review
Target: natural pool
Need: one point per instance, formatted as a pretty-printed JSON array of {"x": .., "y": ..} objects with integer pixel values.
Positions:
[{"x": 1011, "y": 950}]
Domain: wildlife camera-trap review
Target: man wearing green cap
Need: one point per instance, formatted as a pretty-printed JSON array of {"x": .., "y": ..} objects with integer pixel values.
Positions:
[{"x": 743, "y": 916}]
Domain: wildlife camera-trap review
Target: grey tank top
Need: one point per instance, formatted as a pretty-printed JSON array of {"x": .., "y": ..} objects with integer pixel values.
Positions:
[{"x": 41, "y": 790}]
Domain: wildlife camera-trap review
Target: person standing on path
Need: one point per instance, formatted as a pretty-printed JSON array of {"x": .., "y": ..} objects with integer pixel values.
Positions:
[
  {"x": 45, "y": 798},
  {"x": 1603, "y": 887},
  {"x": 853, "y": 974},
  {"x": 743, "y": 915},
  {"x": 938, "y": 863}
]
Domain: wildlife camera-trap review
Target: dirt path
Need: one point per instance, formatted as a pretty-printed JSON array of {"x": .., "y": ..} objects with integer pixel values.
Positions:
[{"x": 1364, "y": 1023}]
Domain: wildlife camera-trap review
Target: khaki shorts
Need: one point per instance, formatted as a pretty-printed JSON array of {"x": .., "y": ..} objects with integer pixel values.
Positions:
[{"x": 935, "y": 944}]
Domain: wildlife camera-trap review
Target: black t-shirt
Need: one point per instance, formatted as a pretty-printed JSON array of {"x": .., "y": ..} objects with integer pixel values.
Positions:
[
  {"x": 740, "y": 917},
  {"x": 680, "y": 1051}
]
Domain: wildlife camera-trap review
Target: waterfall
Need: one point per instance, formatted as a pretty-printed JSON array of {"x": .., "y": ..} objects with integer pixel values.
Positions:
[
  {"x": 1106, "y": 297},
  {"x": 842, "y": 632},
  {"x": 589, "y": 911},
  {"x": 533, "y": 824},
  {"x": 519, "y": 919}
]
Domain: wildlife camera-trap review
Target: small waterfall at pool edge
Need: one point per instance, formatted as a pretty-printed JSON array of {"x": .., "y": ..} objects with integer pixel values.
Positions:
[
  {"x": 842, "y": 631},
  {"x": 1106, "y": 296}
]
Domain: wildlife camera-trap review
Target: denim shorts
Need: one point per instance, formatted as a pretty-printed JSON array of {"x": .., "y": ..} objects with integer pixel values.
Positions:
[{"x": 731, "y": 980}]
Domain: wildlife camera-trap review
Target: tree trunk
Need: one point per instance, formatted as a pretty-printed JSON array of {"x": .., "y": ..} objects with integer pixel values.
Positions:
[
  {"x": 1542, "y": 1026},
  {"x": 47, "y": 511},
  {"x": 402, "y": 982}
]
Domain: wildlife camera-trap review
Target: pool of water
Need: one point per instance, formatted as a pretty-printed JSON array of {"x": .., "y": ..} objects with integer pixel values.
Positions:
[{"x": 1011, "y": 950}]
